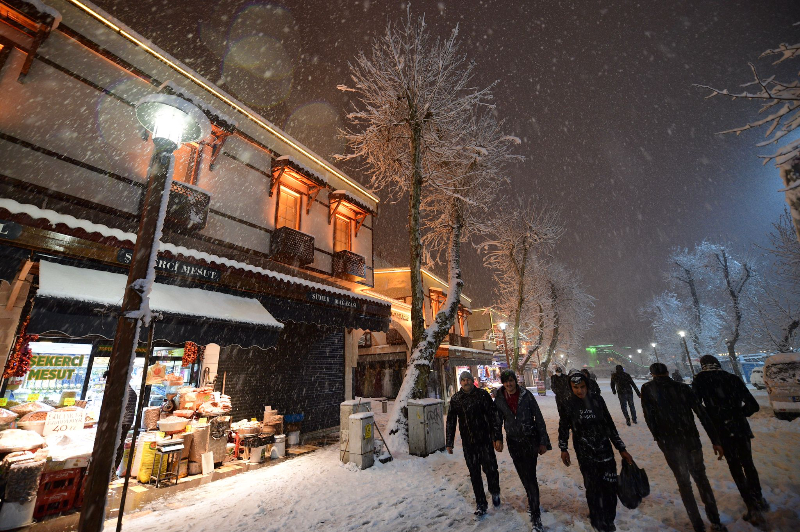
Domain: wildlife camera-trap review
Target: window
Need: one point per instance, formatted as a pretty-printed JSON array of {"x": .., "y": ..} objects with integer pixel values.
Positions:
[
  {"x": 186, "y": 165},
  {"x": 288, "y": 209},
  {"x": 341, "y": 234}
]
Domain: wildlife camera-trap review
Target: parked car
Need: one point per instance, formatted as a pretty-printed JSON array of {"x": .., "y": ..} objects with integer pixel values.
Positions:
[
  {"x": 782, "y": 377},
  {"x": 757, "y": 378}
]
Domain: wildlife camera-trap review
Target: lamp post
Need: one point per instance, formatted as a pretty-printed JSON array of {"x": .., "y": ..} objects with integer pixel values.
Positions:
[
  {"x": 655, "y": 352},
  {"x": 503, "y": 326},
  {"x": 682, "y": 334},
  {"x": 641, "y": 358},
  {"x": 172, "y": 121}
]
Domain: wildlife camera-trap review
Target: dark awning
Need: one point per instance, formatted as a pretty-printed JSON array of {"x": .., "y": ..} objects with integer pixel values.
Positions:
[
  {"x": 11, "y": 260},
  {"x": 81, "y": 302},
  {"x": 329, "y": 310}
]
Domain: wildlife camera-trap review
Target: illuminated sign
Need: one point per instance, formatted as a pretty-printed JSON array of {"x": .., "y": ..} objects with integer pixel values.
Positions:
[{"x": 50, "y": 365}]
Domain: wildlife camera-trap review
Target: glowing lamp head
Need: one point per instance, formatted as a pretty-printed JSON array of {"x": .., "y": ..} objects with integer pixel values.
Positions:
[
  {"x": 172, "y": 120},
  {"x": 639, "y": 351},
  {"x": 653, "y": 344},
  {"x": 502, "y": 325},
  {"x": 681, "y": 333}
]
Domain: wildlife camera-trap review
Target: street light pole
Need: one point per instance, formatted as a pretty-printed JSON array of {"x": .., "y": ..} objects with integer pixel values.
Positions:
[
  {"x": 686, "y": 350},
  {"x": 503, "y": 326},
  {"x": 172, "y": 120},
  {"x": 655, "y": 352},
  {"x": 641, "y": 358}
]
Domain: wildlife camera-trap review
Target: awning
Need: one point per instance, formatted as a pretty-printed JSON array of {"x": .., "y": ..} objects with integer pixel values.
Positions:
[
  {"x": 11, "y": 260},
  {"x": 82, "y": 302},
  {"x": 464, "y": 356}
]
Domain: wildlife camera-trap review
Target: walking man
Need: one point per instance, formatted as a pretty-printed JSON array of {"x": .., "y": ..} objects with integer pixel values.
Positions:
[
  {"x": 591, "y": 381},
  {"x": 729, "y": 403},
  {"x": 623, "y": 386},
  {"x": 474, "y": 411},
  {"x": 668, "y": 406},
  {"x": 676, "y": 375},
  {"x": 559, "y": 383},
  {"x": 593, "y": 433},
  {"x": 526, "y": 435}
]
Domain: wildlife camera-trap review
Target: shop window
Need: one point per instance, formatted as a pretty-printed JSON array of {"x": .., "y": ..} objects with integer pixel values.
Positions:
[
  {"x": 288, "y": 209},
  {"x": 341, "y": 234},
  {"x": 393, "y": 337}
]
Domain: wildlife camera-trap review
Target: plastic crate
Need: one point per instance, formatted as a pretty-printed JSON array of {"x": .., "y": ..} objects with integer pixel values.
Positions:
[
  {"x": 57, "y": 491},
  {"x": 79, "y": 497}
]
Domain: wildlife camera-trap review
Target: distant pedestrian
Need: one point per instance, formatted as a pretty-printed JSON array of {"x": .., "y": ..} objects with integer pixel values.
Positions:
[
  {"x": 526, "y": 434},
  {"x": 559, "y": 383},
  {"x": 475, "y": 412},
  {"x": 622, "y": 384},
  {"x": 729, "y": 403},
  {"x": 668, "y": 408},
  {"x": 676, "y": 376},
  {"x": 591, "y": 381},
  {"x": 593, "y": 433}
]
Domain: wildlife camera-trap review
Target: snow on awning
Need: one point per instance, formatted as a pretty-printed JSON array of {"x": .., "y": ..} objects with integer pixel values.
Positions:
[
  {"x": 465, "y": 356},
  {"x": 84, "y": 302}
]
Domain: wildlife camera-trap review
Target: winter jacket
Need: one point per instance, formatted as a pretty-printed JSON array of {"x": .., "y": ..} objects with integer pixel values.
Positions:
[
  {"x": 477, "y": 419},
  {"x": 130, "y": 407},
  {"x": 528, "y": 422},
  {"x": 668, "y": 407},
  {"x": 623, "y": 383},
  {"x": 593, "y": 430},
  {"x": 593, "y": 387},
  {"x": 728, "y": 402},
  {"x": 676, "y": 376},
  {"x": 560, "y": 386}
]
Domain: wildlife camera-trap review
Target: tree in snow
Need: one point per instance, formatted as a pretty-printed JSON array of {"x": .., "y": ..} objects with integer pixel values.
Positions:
[
  {"x": 423, "y": 131},
  {"x": 515, "y": 237},
  {"x": 781, "y": 104}
]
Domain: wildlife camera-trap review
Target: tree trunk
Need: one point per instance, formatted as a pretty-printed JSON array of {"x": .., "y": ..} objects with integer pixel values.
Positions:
[
  {"x": 414, "y": 237},
  {"x": 734, "y": 293},
  {"x": 415, "y": 382},
  {"x": 520, "y": 303}
]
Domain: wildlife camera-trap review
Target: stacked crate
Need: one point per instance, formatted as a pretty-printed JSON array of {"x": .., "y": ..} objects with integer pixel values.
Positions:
[{"x": 58, "y": 491}]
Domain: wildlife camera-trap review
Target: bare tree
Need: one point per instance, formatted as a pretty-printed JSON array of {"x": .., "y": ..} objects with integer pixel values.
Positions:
[
  {"x": 781, "y": 104},
  {"x": 785, "y": 249},
  {"x": 686, "y": 270},
  {"x": 515, "y": 237}
]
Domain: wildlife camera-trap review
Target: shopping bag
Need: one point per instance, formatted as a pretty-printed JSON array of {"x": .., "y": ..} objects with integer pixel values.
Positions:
[
  {"x": 628, "y": 486},
  {"x": 642, "y": 482}
]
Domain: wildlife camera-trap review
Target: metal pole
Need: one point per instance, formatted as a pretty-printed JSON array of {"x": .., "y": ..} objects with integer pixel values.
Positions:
[
  {"x": 686, "y": 350},
  {"x": 505, "y": 349},
  {"x": 125, "y": 340},
  {"x": 656, "y": 354},
  {"x": 137, "y": 424}
]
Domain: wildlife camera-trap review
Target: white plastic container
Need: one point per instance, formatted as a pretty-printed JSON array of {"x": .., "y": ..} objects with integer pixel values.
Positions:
[
  {"x": 293, "y": 438},
  {"x": 16, "y": 514},
  {"x": 257, "y": 454},
  {"x": 279, "y": 447}
]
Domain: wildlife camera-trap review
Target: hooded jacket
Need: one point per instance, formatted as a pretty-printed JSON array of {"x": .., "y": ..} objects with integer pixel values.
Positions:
[
  {"x": 477, "y": 419},
  {"x": 593, "y": 430},
  {"x": 622, "y": 383},
  {"x": 668, "y": 407},
  {"x": 560, "y": 386},
  {"x": 727, "y": 400},
  {"x": 528, "y": 422}
]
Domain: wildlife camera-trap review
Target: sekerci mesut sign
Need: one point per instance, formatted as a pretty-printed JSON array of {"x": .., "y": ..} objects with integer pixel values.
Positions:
[
  {"x": 175, "y": 266},
  {"x": 48, "y": 367}
]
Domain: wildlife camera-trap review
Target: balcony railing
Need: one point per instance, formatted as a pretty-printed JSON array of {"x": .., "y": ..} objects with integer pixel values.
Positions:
[
  {"x": 349, "y": 265},
  {"x": 187, "y": 210},
  {"x": 291, "y": 247},
  {"x": 459, "y": 341}
]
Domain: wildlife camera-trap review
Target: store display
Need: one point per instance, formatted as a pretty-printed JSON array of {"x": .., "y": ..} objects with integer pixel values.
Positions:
[
  {"x": 12, "y": 440},
  {"x": 7, "y": 416},
  {"x": 172, "y": 424},
  {"x": 27, "y": 408}
]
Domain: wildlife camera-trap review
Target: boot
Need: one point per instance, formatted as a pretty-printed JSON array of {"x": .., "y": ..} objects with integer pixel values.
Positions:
[
  {"x": 754, "y": 517},
  {"x": 718, "y": 527},
  {"x": 496, "y": 499}
]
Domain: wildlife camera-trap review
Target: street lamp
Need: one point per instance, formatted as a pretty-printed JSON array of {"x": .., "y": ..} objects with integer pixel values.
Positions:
[
  {"x": 655, "y": 352},
  {"x": 641, "y": 358},
  {"x": 503, "y": 326},
  {"x": 682, "y": 334},
  {"x": 172, "y": 121}
]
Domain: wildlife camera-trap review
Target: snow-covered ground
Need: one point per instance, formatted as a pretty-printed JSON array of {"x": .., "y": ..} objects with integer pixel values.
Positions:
[{"x": 316, "y": 492}]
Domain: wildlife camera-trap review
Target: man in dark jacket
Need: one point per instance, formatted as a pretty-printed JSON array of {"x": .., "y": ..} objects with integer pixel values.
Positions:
[
  {"x": 729, "y": 403},
  {"x": 593, "y": 433},
  {"x": 676, "y": 376},
  {"x": 559, "y": 383},
  {"x": 478, "y": 424},
  {"x": 128, "y": 418},
  {"x": 668, "y": 408},
  {"x": 622, "y": 384},
  {"x": 591, "y": 381},
  {"x": 526, "y": 435}
]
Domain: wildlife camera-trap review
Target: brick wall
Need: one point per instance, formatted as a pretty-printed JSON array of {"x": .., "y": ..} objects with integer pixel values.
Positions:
[{"x": 303, "y": 373}]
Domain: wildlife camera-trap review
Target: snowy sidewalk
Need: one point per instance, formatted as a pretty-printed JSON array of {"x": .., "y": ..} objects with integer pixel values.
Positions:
[{"x": 316, "y": 492}]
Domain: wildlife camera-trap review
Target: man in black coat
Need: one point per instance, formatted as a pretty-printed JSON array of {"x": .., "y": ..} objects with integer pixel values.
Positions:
[
  {"x": 526, "y": 434},
  {"x": 593, "y": 433},
  {"x": 591, "y": 381},
  {"x": 479, "y": 426},
  {"x": 559, "y": 383},
  {"x": 623, "y": 386},
  {"x": 668, "y": 408},
  {"x": 729, "y": 403}
]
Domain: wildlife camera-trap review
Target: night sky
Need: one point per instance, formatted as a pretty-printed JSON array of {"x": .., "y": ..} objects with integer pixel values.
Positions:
[{"x": 614, "y": 134}]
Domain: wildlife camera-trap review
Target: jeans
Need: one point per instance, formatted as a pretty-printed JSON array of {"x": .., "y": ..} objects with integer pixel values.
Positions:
[
  {"x": 685, "y": 463},
  {"x": 600, "y": 481},
  {"x": 739, "y": 455},
  {"x": 478, "y": 457},
  {"x": 626, "y": 399},
  {"x": 525, "y": 454},
  {"x": 121, "y": 446}
]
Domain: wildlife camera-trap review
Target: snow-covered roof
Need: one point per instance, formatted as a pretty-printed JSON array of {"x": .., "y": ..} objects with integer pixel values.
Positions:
[
  {"x": 40, "y": 8},
  {"x": 424, "y": 402},
  {"x": 467, "y": 350},
  {"x": 350, "y": 198},
  {"x": 56, "y": 218},
  {"x": 288, "y": 160},
  {"x": 106, "y": 288}
]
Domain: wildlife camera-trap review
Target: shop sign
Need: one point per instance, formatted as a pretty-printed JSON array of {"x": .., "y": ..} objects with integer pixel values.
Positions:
[
  {"x": 50, "y": 362},
  {"x": 401, "y": 316},
  {"x": 10, "y": 230},
  {"x": 331, "y": 300},
  {"x": 125, "y": 256},
  {"x": 64, "y": 421}
]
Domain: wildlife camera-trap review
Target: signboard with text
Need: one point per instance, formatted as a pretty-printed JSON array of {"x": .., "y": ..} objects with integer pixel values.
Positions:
[
  {"x": 64, "y": 421},
  {"x": 175, "y": 266}
]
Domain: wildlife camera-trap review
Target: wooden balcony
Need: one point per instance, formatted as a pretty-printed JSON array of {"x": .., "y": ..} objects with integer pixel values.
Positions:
[
  {"x": 187, "y": 210},
  {"x": 459, "y": 341},
  {"x": 291, "y": 247},
  {"x": 349, "y": 265}
]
